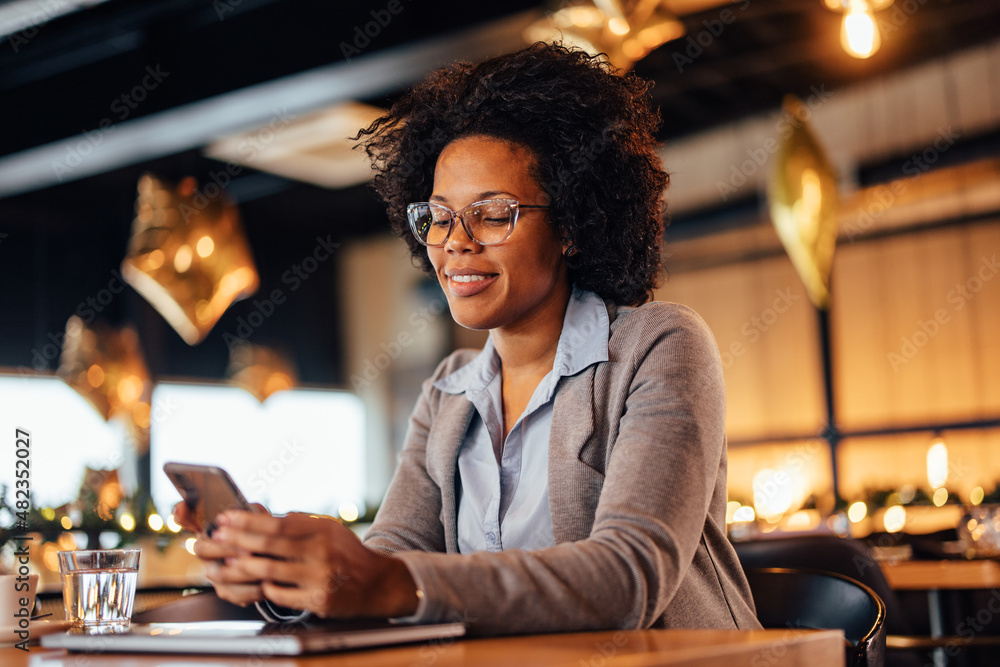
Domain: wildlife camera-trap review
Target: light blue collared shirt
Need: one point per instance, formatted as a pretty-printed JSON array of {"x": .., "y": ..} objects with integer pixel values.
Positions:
[{"x": 502, "y": 489}]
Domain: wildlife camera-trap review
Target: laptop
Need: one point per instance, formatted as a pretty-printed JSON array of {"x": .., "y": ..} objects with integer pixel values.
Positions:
[{"x": 256, "y": 638}]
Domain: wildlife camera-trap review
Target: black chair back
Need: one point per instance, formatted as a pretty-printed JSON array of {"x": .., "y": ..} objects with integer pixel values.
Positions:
[
  {"x": 828, "y": 553},
  {"x": 822, "y": 600}
]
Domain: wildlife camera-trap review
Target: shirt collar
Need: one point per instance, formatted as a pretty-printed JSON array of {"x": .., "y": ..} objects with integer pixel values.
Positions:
[{"x": 582, "y": 343}]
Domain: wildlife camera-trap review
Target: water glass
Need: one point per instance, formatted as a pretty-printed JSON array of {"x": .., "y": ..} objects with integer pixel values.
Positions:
[{"x": 99, "y": 587}]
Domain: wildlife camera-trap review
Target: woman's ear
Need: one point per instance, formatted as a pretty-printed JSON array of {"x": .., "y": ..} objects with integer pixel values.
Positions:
[{"x": 568, "y": 246}]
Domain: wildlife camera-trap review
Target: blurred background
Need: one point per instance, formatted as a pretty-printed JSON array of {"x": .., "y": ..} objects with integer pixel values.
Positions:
[{"x": 194, "y": 268}]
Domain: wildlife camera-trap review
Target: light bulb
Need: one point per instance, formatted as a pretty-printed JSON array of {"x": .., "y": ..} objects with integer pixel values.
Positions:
[
  {"x": 858, "y": 34},
  {"x": 937, "y": 464}
]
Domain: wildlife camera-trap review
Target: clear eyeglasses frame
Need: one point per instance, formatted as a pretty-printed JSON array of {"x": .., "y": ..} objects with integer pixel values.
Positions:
[{"x": 487, "y": 222}]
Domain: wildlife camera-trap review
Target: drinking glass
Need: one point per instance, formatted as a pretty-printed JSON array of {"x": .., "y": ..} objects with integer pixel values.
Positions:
[{"x": 99, "y": 587}]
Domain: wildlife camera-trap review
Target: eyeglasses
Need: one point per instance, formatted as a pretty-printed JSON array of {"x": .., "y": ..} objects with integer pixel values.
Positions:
[{"x": 487, "y": 222}]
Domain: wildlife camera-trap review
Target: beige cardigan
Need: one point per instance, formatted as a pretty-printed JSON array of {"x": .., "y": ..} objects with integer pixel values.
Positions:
[{"x": 637, "y": 493}]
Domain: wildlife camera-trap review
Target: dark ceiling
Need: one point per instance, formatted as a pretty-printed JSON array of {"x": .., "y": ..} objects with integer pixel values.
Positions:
[{"x": 59, "y": 245}]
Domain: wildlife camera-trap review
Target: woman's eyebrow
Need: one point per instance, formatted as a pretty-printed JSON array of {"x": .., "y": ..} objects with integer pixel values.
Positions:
[
  {"x": 493, "y": 193},
  {"x": 481, "y": 196}
]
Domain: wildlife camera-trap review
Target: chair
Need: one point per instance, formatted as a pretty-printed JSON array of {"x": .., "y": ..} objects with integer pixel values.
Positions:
[
  {"x": 829, "y": 553},
  {"x": 851, "y": 558},
  {"x": 822, "y": 600}
]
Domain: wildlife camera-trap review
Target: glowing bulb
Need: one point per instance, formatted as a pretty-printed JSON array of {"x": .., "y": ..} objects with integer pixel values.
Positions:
[
  {"x": 977, "y": 495},
  {"x": 172, "y": 524},
  {"x": 801, "y": 520},
  {"x": 348, "y": 511},
  {"x": 50, "y": 557},
  {"x": 618, "y": 26},
  {"x": 66, "y": 523},
  {"x": 633, "y": 49},
  {"x": 937, "y": 464},
  {"x": 155, "y": 522},
  {"x": 772, "y": 494},
  {"x": 130, "y": 388},
  {"x": 204, "y": 310},
  {"x": 857, "y": 511},
  {"x": 95, "y": 376},
  {"x": 584, "y": 17},
  {"x": 155, "y": 259},
  {"x": 940, "y": 497},
  {"x": 907, "y": 494},
  {"x": 858, "y": 34},
  {"x": 731, "y": 508},
  {"x": 189, "y": 544},
  {"x": 140, "y": 414},
  {"x": 744, "y": 513},
  {"x": 127, "y": 522},
  {"x": 205, "y": 246},
  {"x": 182, "y": 259},
  {"x": 894, "y": 519}
]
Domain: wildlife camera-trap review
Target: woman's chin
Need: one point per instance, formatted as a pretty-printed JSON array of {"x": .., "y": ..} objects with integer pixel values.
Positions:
[{"x": 465, "y": 317}]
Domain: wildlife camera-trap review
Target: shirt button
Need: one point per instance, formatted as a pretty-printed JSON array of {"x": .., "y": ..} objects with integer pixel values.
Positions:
[{"x": 491, "y": 538}]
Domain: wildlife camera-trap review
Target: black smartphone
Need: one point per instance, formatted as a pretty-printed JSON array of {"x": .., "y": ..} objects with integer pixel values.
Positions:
[{"x": 208, "y": 491}]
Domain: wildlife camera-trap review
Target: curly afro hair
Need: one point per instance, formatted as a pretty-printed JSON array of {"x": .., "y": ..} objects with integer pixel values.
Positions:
[{"x": 591, "y": 132}]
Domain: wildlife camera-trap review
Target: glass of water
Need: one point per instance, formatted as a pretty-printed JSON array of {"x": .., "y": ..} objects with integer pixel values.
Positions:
[{"x": 99, "y": 587}]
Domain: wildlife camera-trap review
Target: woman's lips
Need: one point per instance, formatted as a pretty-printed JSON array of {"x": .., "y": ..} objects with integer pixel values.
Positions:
[{"x": 470, "y": 284}]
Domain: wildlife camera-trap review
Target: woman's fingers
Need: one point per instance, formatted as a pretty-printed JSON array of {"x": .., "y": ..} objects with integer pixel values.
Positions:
[
  {"x": 256, "y": 568},
  {"x": 232, "y": 584},
  {"x": 312, "y": 563},
  {"x": 292, "y": 537},
  {"x": 242, "y": 541},
  {"x": 290, "y": 525},
  {"x": 241, "y": 594},
  {"x": 316, "y": 600},
  {"x": 210, "y": 549},
  {"x": 185, "y": 517},
  {"x": 291, "y": 584}
]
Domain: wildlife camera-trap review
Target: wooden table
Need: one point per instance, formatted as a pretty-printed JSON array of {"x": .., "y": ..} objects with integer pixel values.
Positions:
[
  {"x": 645, "y": 648},
  {"x": 937, "y": 576},
  {"x": 951, "y": 575}
]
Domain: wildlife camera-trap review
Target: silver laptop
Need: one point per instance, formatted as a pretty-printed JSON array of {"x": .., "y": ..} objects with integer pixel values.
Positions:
[{"x": 252, "y": 637}]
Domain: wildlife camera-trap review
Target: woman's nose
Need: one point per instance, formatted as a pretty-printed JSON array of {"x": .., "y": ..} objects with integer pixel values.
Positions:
[{"x": 460, "y": 240}]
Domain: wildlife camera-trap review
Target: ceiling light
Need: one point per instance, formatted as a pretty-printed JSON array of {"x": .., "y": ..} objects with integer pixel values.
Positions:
[
  {"x": 188, "y": 255},
  {"x": 314, "y": 149},
  {"x": 622, "y": 32},
  {"x": 859, "y": 34}
]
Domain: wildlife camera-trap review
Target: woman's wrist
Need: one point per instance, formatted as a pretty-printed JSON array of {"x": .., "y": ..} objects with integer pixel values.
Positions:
[{"x": 398, "y": 592}]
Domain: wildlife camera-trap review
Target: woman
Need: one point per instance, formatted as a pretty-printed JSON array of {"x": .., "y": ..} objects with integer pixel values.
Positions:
[{"x": 571, "y": 475}]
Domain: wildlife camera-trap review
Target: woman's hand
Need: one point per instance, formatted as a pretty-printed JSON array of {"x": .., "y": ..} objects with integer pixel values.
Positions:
[
  {"x": 312, "y": 563},
  {"x": 229, "y": 584}
]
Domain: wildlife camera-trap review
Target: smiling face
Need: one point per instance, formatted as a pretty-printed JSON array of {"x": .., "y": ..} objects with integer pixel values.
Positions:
[{"x": 513, "y": 285}]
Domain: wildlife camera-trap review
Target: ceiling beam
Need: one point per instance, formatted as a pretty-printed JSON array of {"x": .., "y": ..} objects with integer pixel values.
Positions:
[{"x": 195, "y": 125}]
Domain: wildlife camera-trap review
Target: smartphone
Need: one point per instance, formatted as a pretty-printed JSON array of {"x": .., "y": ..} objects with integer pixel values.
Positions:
[{"x": 208, "y": 491}]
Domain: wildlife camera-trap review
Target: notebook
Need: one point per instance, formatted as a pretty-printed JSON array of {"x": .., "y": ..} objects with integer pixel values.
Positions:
[{"x": 252, "y": 637}]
